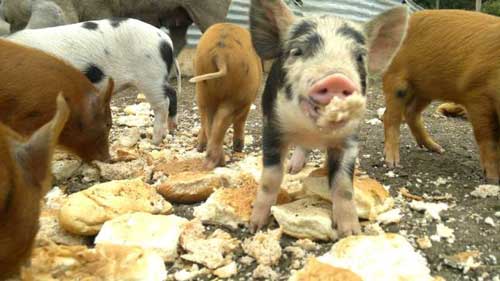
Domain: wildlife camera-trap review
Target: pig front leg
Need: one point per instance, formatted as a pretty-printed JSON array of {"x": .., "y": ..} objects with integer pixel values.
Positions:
[
  {"x": 298, "y": 160},
  {"x": 340, "y": 164},
  {"x": 159, "y": 128},
  {"x": 272, "y": 175}
]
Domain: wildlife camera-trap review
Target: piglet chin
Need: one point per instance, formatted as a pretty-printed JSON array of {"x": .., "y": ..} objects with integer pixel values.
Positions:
[{"x": 340, "y": 111}]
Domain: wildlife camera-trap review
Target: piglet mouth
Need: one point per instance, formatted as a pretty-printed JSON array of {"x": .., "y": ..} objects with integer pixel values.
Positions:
[
  {"x": 310, "y": 108},
  {"x": 337, "y": 113}
]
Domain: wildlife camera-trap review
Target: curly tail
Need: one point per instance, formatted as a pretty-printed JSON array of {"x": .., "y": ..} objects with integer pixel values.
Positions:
[{"x": 221, "y": 66}]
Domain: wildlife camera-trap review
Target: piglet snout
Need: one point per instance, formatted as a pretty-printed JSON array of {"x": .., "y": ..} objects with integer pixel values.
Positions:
[{"x": 335, "y": 85}]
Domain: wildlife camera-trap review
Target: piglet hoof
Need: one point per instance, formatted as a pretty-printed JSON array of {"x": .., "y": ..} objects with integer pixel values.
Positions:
[
  {"x": 434, "y": 147},
  {"x": 346, "y": 218},
  {"x": 201, "y": 147},
  {"x": 294, "y": 167},
  {"x": 238, "y": 145},
  {"x": 391, "y": 158},
  {"x": 259, "y": 218},
  {"x": 157, "y": 140}
]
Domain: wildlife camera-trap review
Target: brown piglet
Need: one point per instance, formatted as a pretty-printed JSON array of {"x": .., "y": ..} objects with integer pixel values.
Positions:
[
  {"x": 31, "y": 80},
  {"x": 24, "y": 179},
  {"x": 448, "y": 55},
  {"x": 229, "y": 77}
]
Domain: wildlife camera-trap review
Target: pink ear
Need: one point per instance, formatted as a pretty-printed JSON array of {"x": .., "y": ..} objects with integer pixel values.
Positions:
[{"x": 385, "y": 34}]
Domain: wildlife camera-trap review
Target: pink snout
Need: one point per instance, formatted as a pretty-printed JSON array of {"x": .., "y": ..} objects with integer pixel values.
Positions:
[{"x": 335, "y": 85}]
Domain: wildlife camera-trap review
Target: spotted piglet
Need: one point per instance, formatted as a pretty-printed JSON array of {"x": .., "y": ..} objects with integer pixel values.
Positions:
[
  {"x": 134, "y": 53},
  {"x": 315, "y": 94}
]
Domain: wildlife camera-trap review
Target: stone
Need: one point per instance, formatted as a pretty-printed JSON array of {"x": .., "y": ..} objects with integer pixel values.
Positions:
[
  {"x": 211, "y": 250},
  {"x": 85, "y": 212},
  {"x": 424, "y": 242},
  {"x": 104, "y": 262},
  {"x": 232, "y": 207},
  {"x": 121, "y": 170},
  {"x": 50, "y": 231},
  {"x": 158, "y": 233},
  {"x": 130, "y": 137},
  {"x": 65, "y": 169},
  {"x": 390, "y": 217},
  {"x": 385, "y": 257},
  {"x": 443, "y": 232},
  {"x": 264, "y": 246},
  {"x": 134, "y": 121},
  {"x": 142, "y": 108},
  {"x": 309, "y": 218},
  {"x": 264, "y": 272},
  {"x": 431, "y": 210},
  {"x": 370, "y": 197},
  {"x": 316, "y": 271},
  {"x": 190, "y": 187},
  {"x": 464, "y": 261},
  {"x": 226, "y": 271},
  {"x": 486, "y": 190}
]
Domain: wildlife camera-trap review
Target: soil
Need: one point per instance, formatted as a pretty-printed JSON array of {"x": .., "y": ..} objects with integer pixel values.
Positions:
[{"x": 458, "y": 169}]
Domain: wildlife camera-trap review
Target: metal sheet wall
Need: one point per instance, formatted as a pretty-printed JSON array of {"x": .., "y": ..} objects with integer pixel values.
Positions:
[{"x": 358, "y": 10}]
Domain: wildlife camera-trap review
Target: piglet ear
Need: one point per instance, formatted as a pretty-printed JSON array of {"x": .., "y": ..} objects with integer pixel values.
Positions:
[
  {"x": 385, "y": 34},
  {"x": 108, "y": 92},
  {"x": 34, "y": 157},
  {"x": 269, "y": 22}
]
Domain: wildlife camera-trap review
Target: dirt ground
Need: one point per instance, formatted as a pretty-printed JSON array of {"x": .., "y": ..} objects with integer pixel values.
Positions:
[{"x": 457, "y": 169}]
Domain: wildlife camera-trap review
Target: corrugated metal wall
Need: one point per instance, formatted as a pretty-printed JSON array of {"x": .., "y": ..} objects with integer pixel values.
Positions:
[{"x": 360, "y": 10}]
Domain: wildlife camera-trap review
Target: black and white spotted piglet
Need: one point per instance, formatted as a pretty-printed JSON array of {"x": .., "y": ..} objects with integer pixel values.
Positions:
[
  {"x": 315, "y": 94},
  {"x": 130, "y": 51}
]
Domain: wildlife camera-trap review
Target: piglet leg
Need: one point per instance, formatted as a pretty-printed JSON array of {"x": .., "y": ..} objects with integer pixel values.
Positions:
[
  {"x": 341, "y": 163},
  {"x": 272, "y": 176},
  {"x": 298, "y": 160}
]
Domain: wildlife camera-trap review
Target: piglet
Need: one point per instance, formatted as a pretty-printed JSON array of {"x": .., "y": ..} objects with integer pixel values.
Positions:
[
  {"x": 448, "y": 55},
  {"x": 134, "y": 53},
  {"x": 24, "y": 179},
  {"x": 315, "y": 95},
  {"x": 229, "y": 77},
  {"x": 30, "y": 81}
]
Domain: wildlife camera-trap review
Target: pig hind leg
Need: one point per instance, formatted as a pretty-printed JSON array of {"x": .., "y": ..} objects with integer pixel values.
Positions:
[
  {"x": 298, "y": 160},
  {"x": 215, "y": 150},
  {"x": 239, "y": 129},
  {"x": 396, "y": 95},
  {"x": 486, "y": 128},
  {"x": 413, "y": 115}
]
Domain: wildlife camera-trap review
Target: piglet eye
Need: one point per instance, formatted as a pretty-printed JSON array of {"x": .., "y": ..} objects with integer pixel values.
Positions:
[{"x": 295, "y": 52}]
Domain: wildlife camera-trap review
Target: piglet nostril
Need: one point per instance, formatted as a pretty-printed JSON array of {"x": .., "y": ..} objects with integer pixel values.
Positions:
[
  {"x": 347, "y": 93},
  {"x": 323, "y": 91}
]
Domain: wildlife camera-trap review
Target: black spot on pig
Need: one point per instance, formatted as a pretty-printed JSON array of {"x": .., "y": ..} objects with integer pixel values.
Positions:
[
  {"x": 90, "y": 25},
  {"x": 166, "y": 54},
  {"x": 115, "y": 22},
  {"x": 171, "y": 95},
  {"x": 334, "y": 162},
  {"x": 94, "y": 73},
  {"x": 33, "y": 114},
  {"x": 302, "y": 28},
  {"x": 271, "y": 144},
  {"x": 288, "y": 92},
  {"x": 351, "y": 33},
  {"x": 401, "y": 94},
  {"x": 359, "y": 56},
  {"x": 274, "y": 82}
]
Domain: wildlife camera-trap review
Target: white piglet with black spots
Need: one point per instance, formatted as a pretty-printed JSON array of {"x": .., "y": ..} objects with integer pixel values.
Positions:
[{"x": 132, "y": 52}]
